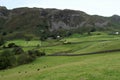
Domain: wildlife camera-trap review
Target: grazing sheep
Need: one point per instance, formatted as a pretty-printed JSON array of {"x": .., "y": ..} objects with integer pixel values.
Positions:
[
  {"x": 38, "y": 69},
  {"x": 19, "y": 72}
]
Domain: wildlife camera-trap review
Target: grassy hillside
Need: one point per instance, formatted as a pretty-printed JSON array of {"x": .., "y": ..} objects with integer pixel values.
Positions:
[
  {"x": 35, "y": 29},
  {"x": 75, "y": 44},
  {"x": 20, "y": 22},
  {"x": 91, "y": 67},
  {"x": 86, "y": 67}
]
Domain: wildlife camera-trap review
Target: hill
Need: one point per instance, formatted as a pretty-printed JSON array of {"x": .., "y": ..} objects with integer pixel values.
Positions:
[
  {"x": 57, "y": 65},
  {"x": 18, "y": 22}
]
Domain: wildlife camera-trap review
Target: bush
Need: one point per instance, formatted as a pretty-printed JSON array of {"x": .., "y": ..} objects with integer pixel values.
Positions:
[
  {"x": 35, "y": 53},
  {"x": 32, "y": 53},
  {"x": 43, "y": 38},
  {"x": 25, "y": 58},
  {"x": 4, "y": 33},
  {"x": 17, "y": 50},
  {"x": 39, "y": 53},
  {"x": 7, "y": 59},
  {"x": 2, "y": 41},
  {"x": 12, "y": 45}
]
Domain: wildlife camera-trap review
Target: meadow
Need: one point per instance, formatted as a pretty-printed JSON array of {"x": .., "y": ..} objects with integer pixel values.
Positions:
[
  {"x": 84, "y": 67},
  {"x": 75, "y": 44},
  {"x": 90, "y": 67}
]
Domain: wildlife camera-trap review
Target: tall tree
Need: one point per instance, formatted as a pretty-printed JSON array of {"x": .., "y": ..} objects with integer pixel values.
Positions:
[{"x": 2, "y": 41}]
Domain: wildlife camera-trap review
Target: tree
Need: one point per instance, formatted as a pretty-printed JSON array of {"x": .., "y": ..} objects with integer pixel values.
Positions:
[
  {"x": 4, "y": 33},
  {"x": 17, "y": 50},
  {"x": 7, "y": 59},
  {"x": 24, "y": 59},
  {"x": 12, "y": 45},
  {"x": 2, "y": 41},
  {"x": 35, "y": 53}
]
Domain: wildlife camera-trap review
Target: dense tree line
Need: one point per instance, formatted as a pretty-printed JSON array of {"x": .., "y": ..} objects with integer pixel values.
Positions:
[
  {"x": 17, "y": 56},
  {"x": 2, "y": 41}
]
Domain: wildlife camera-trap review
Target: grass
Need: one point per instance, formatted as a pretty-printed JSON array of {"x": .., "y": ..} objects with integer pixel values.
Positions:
[
  {"x": 85, "y": 44},
  {"x": 33, "y": 43},
  {"x": 90, "y": 67},
  {"x": 25, "y": 43},
  {"x": 79, "y": 44},
  {"x": 100, "y": 46}
]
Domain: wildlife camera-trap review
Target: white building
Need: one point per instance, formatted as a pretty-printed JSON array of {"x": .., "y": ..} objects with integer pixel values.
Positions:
[{"x": 116, "y": 33}]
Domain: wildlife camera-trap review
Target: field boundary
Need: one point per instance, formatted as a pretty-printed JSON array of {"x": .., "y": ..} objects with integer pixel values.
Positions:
[{"x": 98, "y": 52}]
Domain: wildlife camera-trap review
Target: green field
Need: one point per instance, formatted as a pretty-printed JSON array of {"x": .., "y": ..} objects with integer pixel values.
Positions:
[
  {"x": 84, "y": 67},
  {"x": 78, "y": 44},
  {"x": 91, "y": 67}
]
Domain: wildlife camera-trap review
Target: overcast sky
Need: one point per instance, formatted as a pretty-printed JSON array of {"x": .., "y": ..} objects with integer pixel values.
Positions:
[{"x": 99, "y": 7}]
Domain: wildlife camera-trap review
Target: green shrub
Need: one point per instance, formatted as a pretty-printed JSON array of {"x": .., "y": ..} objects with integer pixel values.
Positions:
[
  {"x": 12, "y": 45},
  {"x": 7, "y": 59},
  {"x": 2, "y": 41},
  {"x": 17, "y": 50},
  {"x": 24, "y": 59},
  {"x": 17, "y": 56},
  {"x": 35, "y": 53}
]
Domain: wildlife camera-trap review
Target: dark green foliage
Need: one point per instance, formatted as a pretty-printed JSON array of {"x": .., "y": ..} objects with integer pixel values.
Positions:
[
  {"x": 4, "y": 33},
  {"x": 32, "y": 53},
  {"x": 4, "y": 47},
  {"x": 36, "y": 53},
  {"x": 24, "y": 59},
  {"x": 61, "y": 33},
  {"x": 30, "y": 56},
  {"x": 7, "y": 59},
  {"x": 17, "y": 50},
  {"x": 27, "y": 38},
  {"x": 43, "y": 37},
  {"x": 2, "y": 41},
  {"x": 12, "y": 45},
  {"x": 17, "y": 57},
  {"x": 38, "y": 45}
]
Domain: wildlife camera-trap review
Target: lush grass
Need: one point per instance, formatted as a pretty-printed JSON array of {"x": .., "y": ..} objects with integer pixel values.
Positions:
[
  {"x": 85, "y": 44},
  {"x": 33, "y": 44},
  {"x": 80, "y": 44},
  {"x": 65, "y": 48},
  {"x": 92, "y": 38},
  {"x": 24, "y": 43},
  {"x": 100, "y": 46},
  {"x": 91, "y": 67}
]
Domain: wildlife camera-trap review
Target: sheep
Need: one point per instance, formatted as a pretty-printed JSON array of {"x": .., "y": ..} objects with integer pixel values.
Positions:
[{"x": 38, "y": 69}]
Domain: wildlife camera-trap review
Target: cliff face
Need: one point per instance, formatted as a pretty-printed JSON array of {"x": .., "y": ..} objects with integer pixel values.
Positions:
[{"x": 38, "y": 19}]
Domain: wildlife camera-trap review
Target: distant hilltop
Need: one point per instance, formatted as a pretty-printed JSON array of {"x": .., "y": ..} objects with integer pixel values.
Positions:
[{"x": 36, "y": 20}]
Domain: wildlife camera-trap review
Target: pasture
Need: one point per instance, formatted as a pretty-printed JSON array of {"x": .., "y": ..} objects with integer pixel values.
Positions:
[
  {"x": 84, "y": 67},
  {"x": 90, "y": 67},
  {"x": 75, "y": 44}
]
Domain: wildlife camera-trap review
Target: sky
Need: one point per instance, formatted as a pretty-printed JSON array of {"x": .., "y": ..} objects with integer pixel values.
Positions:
[{"x": 92, "y": 7}]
